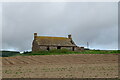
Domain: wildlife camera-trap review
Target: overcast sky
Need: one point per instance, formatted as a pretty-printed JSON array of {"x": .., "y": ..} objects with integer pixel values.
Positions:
[{"x": 93, "y": 22}]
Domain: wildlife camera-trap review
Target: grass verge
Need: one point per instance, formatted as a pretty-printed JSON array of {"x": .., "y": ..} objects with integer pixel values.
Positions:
[{"x": 64, "y": 51}]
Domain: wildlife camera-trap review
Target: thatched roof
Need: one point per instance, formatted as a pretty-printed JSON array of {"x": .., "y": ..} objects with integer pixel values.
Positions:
[{"x": 54, "y": 41}]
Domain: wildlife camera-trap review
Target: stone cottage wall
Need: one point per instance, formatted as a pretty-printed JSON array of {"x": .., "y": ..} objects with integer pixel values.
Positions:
[
  {"x": 79, "y": 48},
  {"x": 35, "y": 47},
  {"x": 51, "y": 48},
  {"x": 68, "y": 48},
  {"x": 42, "y": 48}
]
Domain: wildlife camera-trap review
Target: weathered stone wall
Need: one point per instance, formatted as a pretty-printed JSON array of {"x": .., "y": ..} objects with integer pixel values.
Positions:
[
  {"x": 79, "y": 48},
  {"x": 42, "y": 48},
  {"x": 69, "y": 48},
  {"x": 51, "y": 48},
  {"x": 35, "y": 47},
  {"x": 75, "y": 49}
]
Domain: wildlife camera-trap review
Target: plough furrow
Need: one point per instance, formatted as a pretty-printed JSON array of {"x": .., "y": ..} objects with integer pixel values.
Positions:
[
  {"x": 35, "y": 61},
  {"x": 10, "y": 62},
  {"x": 22, "y": 61}
]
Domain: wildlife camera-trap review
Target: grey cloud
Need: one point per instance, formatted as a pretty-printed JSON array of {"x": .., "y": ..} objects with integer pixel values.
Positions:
[{"x": 95, "y": 23}]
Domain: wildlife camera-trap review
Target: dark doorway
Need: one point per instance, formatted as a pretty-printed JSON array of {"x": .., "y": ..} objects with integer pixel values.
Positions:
[
  {"x": 48, "y": 48},
  {"x": 58, "y": 47},
  {"x": 73, "y": 48}
]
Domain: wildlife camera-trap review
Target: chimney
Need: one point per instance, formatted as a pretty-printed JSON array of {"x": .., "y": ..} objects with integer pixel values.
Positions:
[
  {"x": 35, "y": 35},
  {"x": 69, "y": 36}
]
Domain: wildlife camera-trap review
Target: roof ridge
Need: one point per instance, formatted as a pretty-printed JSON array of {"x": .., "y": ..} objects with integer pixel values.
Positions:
[{"x": 50, "y": 37}]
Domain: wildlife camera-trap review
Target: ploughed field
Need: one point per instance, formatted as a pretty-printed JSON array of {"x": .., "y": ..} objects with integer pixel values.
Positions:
[{"x": 61, "y": 66}]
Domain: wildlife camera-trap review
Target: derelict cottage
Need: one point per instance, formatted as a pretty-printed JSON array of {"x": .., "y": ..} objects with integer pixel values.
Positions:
[{"x": 41, "y": 43}]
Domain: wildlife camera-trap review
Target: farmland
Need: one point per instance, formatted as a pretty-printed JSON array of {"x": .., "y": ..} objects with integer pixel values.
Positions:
[{"x": 61, "y": 66}]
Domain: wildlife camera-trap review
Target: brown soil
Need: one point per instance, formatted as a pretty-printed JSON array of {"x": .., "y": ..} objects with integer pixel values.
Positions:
[{"x": 57, "y": 66}]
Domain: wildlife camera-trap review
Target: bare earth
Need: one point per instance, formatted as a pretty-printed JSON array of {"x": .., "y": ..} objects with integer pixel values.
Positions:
[{"x": 61, "y": 66}]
